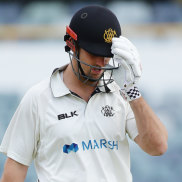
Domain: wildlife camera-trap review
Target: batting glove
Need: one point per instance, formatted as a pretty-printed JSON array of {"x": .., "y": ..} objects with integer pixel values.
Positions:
[{"x": 129, "y": 72}]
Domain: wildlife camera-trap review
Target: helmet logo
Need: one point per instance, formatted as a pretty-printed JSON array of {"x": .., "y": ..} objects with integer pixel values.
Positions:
[{"x": 109, "y": 34}]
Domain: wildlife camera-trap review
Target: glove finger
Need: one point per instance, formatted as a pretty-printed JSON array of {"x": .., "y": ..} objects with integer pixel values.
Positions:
[
  {"x": 120, "y": 41},
  {"x": 128, "y": 73},
  {"x": 117, "y": 39},
  {"x": 117, "y": 59},
  {"x": 128, "y": 42},
  {"x": 136, "y": 70},
  {"x": 127, "y": 56},
  {"x": 132, "y": 73},
  {"x": 136, "y": 79},
  {"x": 125, "y": 44},
  {"x": 120, "y": 45},
  {"x": 125, "y": 41},
  {"x": 122, "y": 53}
]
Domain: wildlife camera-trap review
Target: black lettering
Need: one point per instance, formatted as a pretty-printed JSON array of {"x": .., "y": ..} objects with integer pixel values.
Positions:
[
  {"x": 64, "y": 116},
  {"x": 61, "y": 116},
  {"x": 74, "y": 114},
  {"x": 67, "y": 116}
]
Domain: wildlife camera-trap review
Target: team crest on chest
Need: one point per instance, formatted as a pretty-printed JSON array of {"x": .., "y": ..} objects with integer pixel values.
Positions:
[{"x": 107, "y": 111}]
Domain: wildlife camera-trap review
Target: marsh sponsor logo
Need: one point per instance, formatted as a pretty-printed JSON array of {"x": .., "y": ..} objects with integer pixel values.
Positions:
[
  {"x": 68, "y": 148},
  {"x": 91, "y": 145},
  {"x": 100, "y": 144}
]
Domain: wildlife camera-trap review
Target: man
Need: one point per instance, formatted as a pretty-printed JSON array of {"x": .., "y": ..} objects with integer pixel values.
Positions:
[{"x": 74, "y": 125}]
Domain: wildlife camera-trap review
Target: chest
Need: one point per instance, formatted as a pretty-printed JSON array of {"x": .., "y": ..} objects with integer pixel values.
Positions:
[{"x": 70, "y": 117}]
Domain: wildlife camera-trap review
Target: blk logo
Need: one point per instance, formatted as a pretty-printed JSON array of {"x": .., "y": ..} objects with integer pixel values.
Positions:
[
  {"x": 68, "y": 148},
  {"x": 65, "y": 115},
  {"x": 107, "y": 111}
]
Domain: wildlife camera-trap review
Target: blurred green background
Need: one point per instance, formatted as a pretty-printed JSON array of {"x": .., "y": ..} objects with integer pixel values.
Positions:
[{"x": 31, "y": 46}]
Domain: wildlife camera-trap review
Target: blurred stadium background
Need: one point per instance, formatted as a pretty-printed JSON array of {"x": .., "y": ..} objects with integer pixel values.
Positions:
[{"x": 31, "y": 46}]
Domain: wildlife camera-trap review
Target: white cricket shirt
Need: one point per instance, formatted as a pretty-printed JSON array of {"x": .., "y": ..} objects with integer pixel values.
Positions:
[{"x": 69, "y": 139}]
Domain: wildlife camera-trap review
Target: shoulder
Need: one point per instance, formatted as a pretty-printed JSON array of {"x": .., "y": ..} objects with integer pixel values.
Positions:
[
  {"x": 39, "y": 88},
  {"x": 38, "y": 91}
]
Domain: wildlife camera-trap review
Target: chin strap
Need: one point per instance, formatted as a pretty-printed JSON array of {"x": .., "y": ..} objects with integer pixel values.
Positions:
[
  {"x": 80, "y": 68},
  {"x": 78, "y": 63}
]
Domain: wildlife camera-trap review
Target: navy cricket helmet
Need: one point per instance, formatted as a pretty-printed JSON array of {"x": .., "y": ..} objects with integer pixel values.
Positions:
[{"x": 95, "y": 26}]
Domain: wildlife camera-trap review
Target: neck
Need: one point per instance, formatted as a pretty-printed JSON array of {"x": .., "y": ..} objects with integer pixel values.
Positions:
[{"x": 76, "y": 85}]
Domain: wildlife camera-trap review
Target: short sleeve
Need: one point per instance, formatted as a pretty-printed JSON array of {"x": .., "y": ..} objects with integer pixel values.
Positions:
[
  {"x": 131, "y": 127},
  {"x": 22, "y": 135}
]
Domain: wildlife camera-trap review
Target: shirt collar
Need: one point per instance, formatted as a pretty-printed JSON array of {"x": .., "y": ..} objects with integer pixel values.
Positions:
[
  {"x": 59, "y": 88},
  {"x": 57, "y": 85}
]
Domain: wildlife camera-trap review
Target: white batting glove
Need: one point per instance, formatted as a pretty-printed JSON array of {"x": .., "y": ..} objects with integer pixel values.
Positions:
[{"x": 129, "y": 72}]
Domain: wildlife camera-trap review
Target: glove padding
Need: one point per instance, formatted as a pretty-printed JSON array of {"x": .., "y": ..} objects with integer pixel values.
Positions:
[
  {"x": 126, "y": 54},
  {"x": 130, "y": 70}
]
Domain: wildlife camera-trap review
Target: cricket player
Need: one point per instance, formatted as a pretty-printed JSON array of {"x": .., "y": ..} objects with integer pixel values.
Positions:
[{"x": 74, "y": 125}]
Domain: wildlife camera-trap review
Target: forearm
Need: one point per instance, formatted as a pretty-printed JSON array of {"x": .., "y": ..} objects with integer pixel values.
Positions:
[{"x": 152, "y": 133}]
